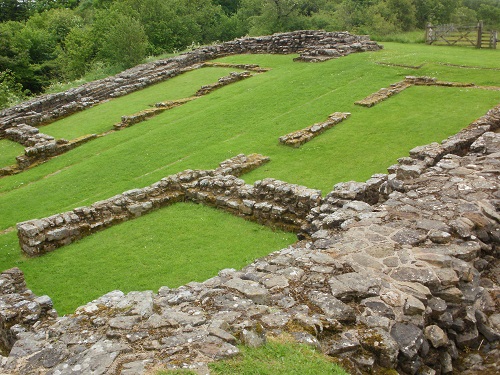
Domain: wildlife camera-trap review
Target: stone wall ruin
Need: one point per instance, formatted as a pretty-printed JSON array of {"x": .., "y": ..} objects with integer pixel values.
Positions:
[
  {"x": 408, "y": 283},
  {"x": 399, "y": 272},
  {"x": 299, "y": 137},
  {"x": 396, "y": 88},
  {"x": 48, "y": 108},
  {"x": 269, "y": 202}
]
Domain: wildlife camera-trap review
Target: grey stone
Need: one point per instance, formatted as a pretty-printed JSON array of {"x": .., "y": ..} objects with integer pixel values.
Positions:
[
  {"x": 124, "y": 322},
  {"x": 252, "y": 338},
  {"x": 347, "y": 342},
  {"x": 436, "y": 336},
  {"x": 217, "y": 350},
  {"x": 446, "y": 363},
  {"x": 307, "y": 339},
  {"x": 440, "y": 237},
  {"x": 408, "y": 337},
  {"x": 450, "y": 295},
  {"x": 274, "y": 281},
  {"x": 363, "y": 361},
  {"x": 332, "y": 307},
  {"x": 484, "y": 329},
  {"x": 275, "y": 320},
  {"x": 249, "y": 289},
  {"x": 378, "y": 307},
  {"x": 409, "y": 237},
  {"x": 468, "y": 339},
  {"x": 425, "y": 276},
  {"x": 354, "y": 286},
  {"x": 380, "y": 343},
  {"x": 413, "y": 306}
]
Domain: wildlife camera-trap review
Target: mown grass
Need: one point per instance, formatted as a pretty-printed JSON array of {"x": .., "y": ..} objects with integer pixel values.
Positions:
[
  {"x": 280, "y": 356},
  {"x": 102, "y": 118},
  {"x": 172, "y": 246},
  {"x": 245, "y": 117},
  {"x": 416, "y": 36},
  {"x": 8, "y": 152}
]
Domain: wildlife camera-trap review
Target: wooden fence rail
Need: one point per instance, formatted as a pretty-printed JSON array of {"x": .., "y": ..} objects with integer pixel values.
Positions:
[{"x": 457, "y": 35}]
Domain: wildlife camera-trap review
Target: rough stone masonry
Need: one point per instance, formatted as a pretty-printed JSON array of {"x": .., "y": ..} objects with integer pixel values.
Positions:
[
  {"x": 399, "y": 272},
  {"x": 407, "y": 281}
]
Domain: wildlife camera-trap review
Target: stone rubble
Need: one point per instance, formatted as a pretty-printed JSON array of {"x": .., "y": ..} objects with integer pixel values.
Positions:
[{"x": 406, "y": 279}]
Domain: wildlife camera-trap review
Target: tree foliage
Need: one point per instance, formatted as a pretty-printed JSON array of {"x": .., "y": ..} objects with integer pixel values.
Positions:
[{"x": 42, "y": 41}]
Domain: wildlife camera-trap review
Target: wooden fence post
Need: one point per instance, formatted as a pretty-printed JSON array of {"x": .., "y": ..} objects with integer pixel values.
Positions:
[
  {"x": 479, "y": 34},
  {"x": 428, "y": 33},
  {"x": 493, "y": 39}
]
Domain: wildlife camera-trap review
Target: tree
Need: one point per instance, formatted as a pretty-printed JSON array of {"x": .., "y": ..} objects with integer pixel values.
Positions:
[
  {"x": 11, "y": 92},
  {"x": 490, "y": 15},
  {"x": 78, "y": 52},
  {"x": 124, "y": 42},
  {"x": 464, "y": 16},
  {"x": 14, "y": 10}
]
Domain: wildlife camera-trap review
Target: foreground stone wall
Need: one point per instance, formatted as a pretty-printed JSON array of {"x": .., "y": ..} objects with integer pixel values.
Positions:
[
  {"x": 410, "y": 283},
  {"x": 352, "y": 200},
  {"x": 51, "y": 107},
  {"x": 20, "y": 308}
]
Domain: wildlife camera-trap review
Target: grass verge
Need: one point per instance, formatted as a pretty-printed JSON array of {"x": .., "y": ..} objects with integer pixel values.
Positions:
[{"x": 280, "y": 356}]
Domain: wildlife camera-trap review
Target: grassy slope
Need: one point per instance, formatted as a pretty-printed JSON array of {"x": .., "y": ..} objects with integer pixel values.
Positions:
[
  {"x": 8, "y": 152},
  {"x": 242, "y": 118}
]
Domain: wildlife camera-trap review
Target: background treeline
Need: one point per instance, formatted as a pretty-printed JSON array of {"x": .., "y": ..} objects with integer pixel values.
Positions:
[{"x": 48, "y": 41}]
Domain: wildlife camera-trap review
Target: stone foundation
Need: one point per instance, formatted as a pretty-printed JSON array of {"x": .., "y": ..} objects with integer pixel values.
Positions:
[
  {"x": 299, "y": 137},
  {"x": 270, "y": 202},
  {"x": 409, "y": 283},
  {"x": 395, "y": 88},
  {"x": 48, "y": 108},
  {"x": 399, "y": 272}
]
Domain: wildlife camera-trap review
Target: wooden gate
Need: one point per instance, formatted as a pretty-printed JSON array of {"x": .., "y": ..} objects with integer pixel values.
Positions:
[{"x": 456, "y": 35}]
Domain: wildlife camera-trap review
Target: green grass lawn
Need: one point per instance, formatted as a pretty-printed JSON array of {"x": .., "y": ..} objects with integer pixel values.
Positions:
[
  {"x": 245, "y": 117},
  {"x": 102, "y": 118},
  {"x": 172, "y": 246},
  {"x": 8, "y": 152}
]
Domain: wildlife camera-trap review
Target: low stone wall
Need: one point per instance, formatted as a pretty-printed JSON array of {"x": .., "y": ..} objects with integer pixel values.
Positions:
[
  {"x": 51, "y": 107},
  {"x": 129, "y": 120},
  {"x": 39, "y": 146},
  {"x": 28, "y": 136},
  {"x": 299, "y": 137},
  {"x": 269, "y": 202},
  {"x": 395, "y": 88},
  {"x": 223, "y": 81}
]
